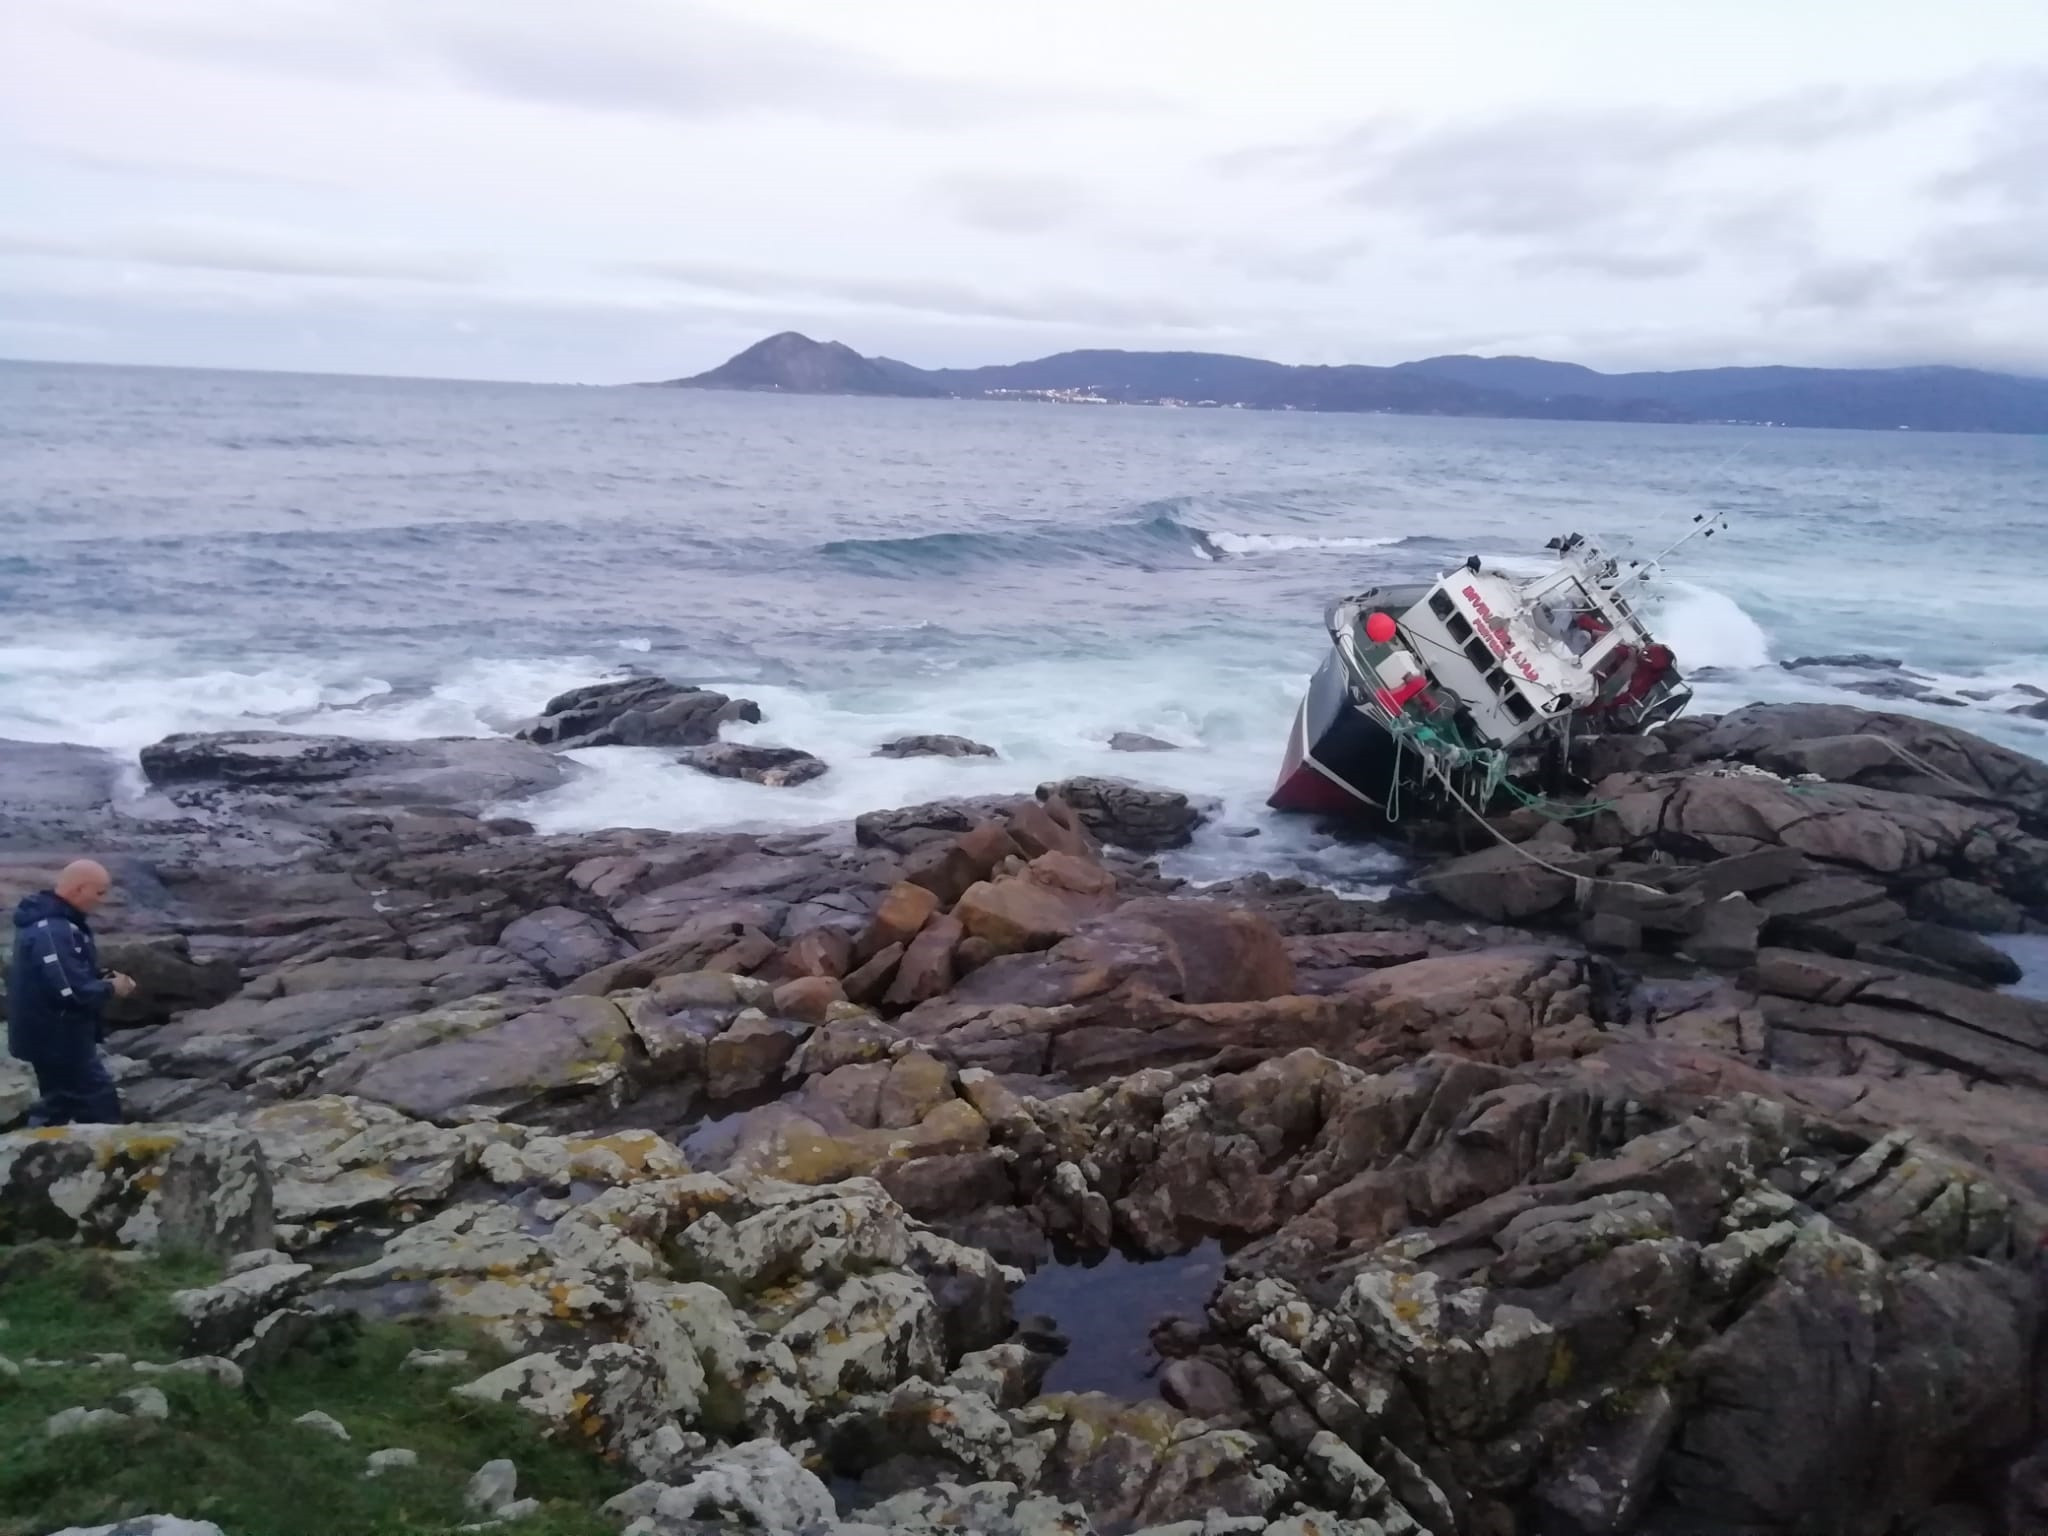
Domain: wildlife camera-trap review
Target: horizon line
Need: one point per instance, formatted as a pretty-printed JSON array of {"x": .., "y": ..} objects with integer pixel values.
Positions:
[{"x": 568, "y": 383}]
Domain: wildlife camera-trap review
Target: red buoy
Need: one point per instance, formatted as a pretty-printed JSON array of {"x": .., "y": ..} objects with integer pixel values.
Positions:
[{"x": 1379, "y": 628}]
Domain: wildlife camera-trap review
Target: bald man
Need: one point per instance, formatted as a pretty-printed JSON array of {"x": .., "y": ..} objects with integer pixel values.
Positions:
[{"x": 57, "y": 996}]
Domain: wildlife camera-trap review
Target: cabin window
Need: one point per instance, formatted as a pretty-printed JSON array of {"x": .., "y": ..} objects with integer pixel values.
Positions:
[
  {"x": 1457, "y": 628},
  {"x": 1478, "y": 654},
  {"x": 1440, "y": 604},
  {"x": 1517, "y": 705}
]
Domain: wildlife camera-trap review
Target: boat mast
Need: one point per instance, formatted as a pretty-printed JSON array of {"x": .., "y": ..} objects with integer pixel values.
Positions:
[{"x": 1706, "y": 525}]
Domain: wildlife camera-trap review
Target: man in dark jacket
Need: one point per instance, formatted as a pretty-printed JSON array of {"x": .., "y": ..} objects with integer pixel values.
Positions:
[{"x": 56, "y": 996}]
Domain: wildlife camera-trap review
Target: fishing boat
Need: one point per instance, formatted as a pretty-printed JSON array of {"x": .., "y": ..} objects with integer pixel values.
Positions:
[{"x": 1469, "y": 690}]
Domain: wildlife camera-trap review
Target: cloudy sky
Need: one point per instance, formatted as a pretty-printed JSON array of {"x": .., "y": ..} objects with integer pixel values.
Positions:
[{"x": 625, "y": 189}]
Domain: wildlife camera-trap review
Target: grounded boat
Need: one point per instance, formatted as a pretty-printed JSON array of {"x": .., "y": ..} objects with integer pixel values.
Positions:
[{"x": 1468, "y": 690}]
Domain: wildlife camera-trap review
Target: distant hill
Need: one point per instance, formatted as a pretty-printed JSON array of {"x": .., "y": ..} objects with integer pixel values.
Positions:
[
  {"x": 1924, "y": 399},
  {"x": 797, "y": 365}
]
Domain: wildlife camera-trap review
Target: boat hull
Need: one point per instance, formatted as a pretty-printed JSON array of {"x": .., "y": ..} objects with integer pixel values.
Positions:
[{"x": 1339, "y": 761}]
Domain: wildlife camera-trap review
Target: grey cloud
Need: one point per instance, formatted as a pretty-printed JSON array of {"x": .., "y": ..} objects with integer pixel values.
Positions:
[
  {"x": 160, "y": 168},
  {"x": 1845, "y": 285},
  {"x": 1779, "y": 221},
  {"x": 653, "y": 56},
  {"x": 250, "y": 252},
  {"x": 1564, "y": 173},
  {"x": 308, "y": 38},
  {"x": 1992, "y": 252},
  {"x": 1013, "y": 205},
  {"x": 1624, "y": 266},
  {"x": 2009, "y": 162},
  {"x": 1309, "y": 264},
  {"x": 1053, "y": 306}
]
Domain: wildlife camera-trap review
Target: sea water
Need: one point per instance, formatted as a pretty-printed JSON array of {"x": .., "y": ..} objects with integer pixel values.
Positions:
[{"x": 185, "y": 550}]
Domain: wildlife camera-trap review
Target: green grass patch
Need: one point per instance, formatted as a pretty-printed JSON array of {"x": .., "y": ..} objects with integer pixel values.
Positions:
[{"x": 235, "y": 1457}]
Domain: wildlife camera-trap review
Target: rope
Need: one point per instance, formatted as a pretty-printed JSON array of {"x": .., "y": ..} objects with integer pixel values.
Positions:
[
  {"x": 1393, "y": 805},
  {"x": 1581, "y": 884},
  {"x": 1913, "y": 760}
]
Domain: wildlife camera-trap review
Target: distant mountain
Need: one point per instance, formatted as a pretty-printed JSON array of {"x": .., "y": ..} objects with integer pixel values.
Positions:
[
  {"x": 1925, "y": 399},
  {"x": 797, "y": 365}
]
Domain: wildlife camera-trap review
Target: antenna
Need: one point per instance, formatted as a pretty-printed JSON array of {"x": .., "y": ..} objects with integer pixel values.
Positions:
[{"x": 1705, "y": 526}]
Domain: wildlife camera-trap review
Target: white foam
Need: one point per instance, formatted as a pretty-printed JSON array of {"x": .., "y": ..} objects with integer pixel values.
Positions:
[
  {"x": 1281, "y": 543},
  {"x": 122, "y": 696},
  {"x": 1047, "y": 720},
  {"x": 1706, "y": 628}
]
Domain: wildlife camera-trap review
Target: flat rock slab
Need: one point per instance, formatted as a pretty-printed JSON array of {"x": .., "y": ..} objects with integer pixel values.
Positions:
[{"x": 575, "y": 1045}]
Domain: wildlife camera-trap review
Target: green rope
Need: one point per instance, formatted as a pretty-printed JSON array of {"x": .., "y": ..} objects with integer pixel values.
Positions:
[
  {"x": 1393, "y": 807},
  {"x": 1447, "y": 752}
]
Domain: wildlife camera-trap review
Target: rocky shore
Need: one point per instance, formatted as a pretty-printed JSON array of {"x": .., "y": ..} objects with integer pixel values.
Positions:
[{"x": 1673, "y": 1165}]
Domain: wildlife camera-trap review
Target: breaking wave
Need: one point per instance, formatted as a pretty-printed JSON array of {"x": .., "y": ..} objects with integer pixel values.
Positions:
[
  {"x": 1149, "y": 543},
  {"x": 1146, "y": 543},
  {"x": 1706, "y": 628},
  {"x": 1286, "y": 543}
]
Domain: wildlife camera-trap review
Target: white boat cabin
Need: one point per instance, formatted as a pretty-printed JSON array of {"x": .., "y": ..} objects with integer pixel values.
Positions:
[{"x": 1521, "y": 652}]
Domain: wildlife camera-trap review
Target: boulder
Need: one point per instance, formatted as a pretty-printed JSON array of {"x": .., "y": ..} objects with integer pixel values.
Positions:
[
  {"x": 810, "y": 999},
  {"x": 905, "y": 909},
  {"x": 820, "y": 952},
  {"x": 1213, "y": 953},
  {"x": 750, "y": 1055},
  {"x": 180, "y": 1188},
  {"x": 1200, "y": 1388},
  {"x": 167, "y": 979},
  {"x": 759, "y": 1486},
  {"x": 1850, "y": 745},
  {"x": 871, "y": 982},
  {"x": 948, "y": 866},
  {"x": 1505, "y": 885},
  {"x": 933, "y": 746},
  {"x": 1728, "y": 933},
  {"x": 636, "y": 712},
  {"x": 1959, "y": 952},
  {"x": 1854, "y": 661},
  {"x": 1048, "y": 825},
  {"x": 725, "y": 941},
  {"x": 217, "y": 1317},
  {"x": 909, "y": 827},
  {"x": 1131, "y": 815},
  {"x": 561, "y": 943},
  {"x": 1138, "y": 741},
  {"x": 1034, "y": 910},
  {"x": 677, "y": 1043},
  {"x": 948, "y": 1184},
  {"x": 1751, "y": 874},
  {"x": 927, "y": 969},
  {"x": 776, "y": 767},
  {"x": 1968, "y": 905}
]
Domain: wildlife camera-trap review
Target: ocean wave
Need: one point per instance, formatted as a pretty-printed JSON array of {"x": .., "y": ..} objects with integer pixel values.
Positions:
[
  {"x": 1708, "y": 628},
  {"x": 1286, "y": 543},
  {"x": 122, "y": 696},
  {"x": 1147, "y": 543},
  {"x": 1162, "y": 538}
]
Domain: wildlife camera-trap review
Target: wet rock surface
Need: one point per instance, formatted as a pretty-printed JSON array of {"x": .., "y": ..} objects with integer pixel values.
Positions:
[
  {"x": 637, "y": 712},
  {"x": 773, "y": 766},
  {"x": 960, "y": 1172},
  {"x": 934, "y": 746}
]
